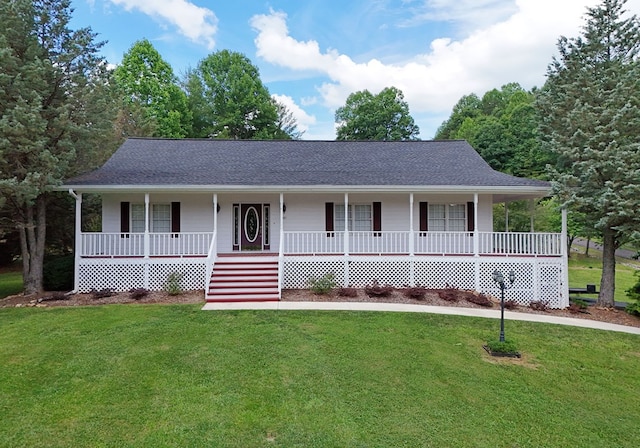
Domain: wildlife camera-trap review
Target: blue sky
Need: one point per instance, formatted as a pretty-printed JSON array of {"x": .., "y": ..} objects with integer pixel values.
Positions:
[{"x": 313, "y": 54}]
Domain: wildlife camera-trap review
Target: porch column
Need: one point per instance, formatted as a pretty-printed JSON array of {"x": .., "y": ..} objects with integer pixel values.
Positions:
[
  {"x": 346, "y": 223},
  {"x": 281, "y": 223},
  {"x": 346, "y": 240},
  {"x": 506, "y": 216},
  {"x": 476, "y": 244},
  {"x": 146, "y": 225},
  {"x": 476, "y": 236},
  {"x": 78, "y": 240},
  {"x": 412, "y": 264},
  {"x": 146, "y": 240},
  {"x": 565, "y": 259}
]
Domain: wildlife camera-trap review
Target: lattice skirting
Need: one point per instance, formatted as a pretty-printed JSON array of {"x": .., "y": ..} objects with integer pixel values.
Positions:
[
  {"x": 537, "y": 279},
  {"x": 122, "y": 275}
]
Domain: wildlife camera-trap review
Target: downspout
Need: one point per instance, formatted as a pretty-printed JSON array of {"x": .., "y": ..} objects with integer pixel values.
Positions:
[
  {"x": 78, "y": 241},
  {"x": 565, "y": 259}
]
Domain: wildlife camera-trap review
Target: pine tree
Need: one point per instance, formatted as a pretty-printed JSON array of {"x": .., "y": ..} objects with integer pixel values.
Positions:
[
  {"x": 590, "y": 109},
  {"x": 52, "y": 87}
]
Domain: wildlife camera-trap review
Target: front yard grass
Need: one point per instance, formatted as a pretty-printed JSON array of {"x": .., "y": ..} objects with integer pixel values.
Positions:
[
  {"x": 10, "y": 283},
  {"x": 154, "y": 375}
]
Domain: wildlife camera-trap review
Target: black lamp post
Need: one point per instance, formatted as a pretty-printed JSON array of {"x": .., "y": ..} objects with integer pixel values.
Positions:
[{"x": 498, "y": 278}]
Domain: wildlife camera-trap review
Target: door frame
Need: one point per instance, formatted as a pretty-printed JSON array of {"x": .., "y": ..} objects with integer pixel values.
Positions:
[{"x": 238, "y": 224}]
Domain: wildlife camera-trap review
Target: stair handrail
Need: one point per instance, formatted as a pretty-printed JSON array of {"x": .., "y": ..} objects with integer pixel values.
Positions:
[{"x": 211, "y": 256}]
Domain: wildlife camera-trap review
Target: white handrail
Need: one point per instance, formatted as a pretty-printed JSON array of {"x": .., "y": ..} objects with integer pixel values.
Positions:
[{"x": 211, "y": 259}]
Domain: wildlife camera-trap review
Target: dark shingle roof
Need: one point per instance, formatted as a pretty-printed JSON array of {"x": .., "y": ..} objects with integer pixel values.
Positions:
[{"x": 182, "y": 162}]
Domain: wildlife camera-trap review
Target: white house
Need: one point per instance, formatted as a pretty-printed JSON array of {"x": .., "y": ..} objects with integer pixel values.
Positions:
[{"x": 245, "y": 219}]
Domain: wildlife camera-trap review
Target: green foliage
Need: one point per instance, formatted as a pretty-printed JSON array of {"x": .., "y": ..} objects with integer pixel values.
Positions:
[
  {"x": 506, "y": 347},
  {"x": 502, "y": 127},
  {"x": 322, "y": 285},
  {"x": 55, "y": 105},
  {"x": 633, "y": 308},
  {"x": 147, "y": 81},
  {"x": 58, "y": 273},
  {"x": 381, "y": 117},
  {"x": 634, "y": 292},
  {"x": 172, "y": 285},
  {"x": 228, "y": 100},
  {"x": 590, "y": 116}
]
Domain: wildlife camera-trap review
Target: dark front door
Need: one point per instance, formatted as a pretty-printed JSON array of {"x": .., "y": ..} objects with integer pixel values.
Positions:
[{"x": 251, "y": 227}]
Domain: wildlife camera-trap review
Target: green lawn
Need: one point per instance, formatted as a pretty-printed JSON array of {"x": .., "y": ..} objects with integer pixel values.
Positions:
[
  {"x": 588, "y": 270},
  {"x": 10, "y": 283},
  {"x": 174, "y": 376}
]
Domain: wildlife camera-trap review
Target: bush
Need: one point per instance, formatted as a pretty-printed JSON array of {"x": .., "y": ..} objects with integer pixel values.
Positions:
[
  {"x": 417, "y": 293},
  {"x": 633, "y": 309},
  {"x": 57, "y": 273},
  {"x": 479, "y": 299},
  {"x": 172, "y": 285},
  {"x": 376, "y": 290},
  {"x": 510, "y": 304},
  {"x": 138, "y": 293},
  {"x": 449, "y": 294},
  {"x": 102, "y": 293},
  {"x": 634, "y": 292},
  {"x": 348, "y": 292},
  {"x": 322, "y": 285},
  {"x": 506, "y": 347},
  {"x": 539, "y": 305}
]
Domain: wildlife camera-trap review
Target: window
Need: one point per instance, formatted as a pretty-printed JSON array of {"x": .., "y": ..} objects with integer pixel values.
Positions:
[
  {"x": 447, "y": 217},
  {"x": 360, "y": 217},
  {"x": 160, "y": 218}
]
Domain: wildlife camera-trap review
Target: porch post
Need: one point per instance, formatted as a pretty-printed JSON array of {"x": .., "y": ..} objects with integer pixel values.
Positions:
[
  {"x": 146, "y": 240},
  {"x": 476, "y": 244},
  {"x": 281, "y": 246},
  {"x": 78, "y": 240},
  {"x": 281, "y": 222},
  {"x": 346, "y": 240},
  {"x": 146, "y": 225},
  {"x": 565, "y": 259},
  {"x": 412, "y": 264}
]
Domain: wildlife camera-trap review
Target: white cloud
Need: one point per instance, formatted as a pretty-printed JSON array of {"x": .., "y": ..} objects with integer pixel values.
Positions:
[
  {"x": 304, "y": 120},
  {"x": 194, "y": 22},
  {"x": 516, "y": 48}
]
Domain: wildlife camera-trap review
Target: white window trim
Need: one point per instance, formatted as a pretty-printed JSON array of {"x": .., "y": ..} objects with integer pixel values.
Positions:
[
  {"x": 338, "y": 222},
  {"x": 447, "y": 218},
  {"x": 151, "y": 220}
]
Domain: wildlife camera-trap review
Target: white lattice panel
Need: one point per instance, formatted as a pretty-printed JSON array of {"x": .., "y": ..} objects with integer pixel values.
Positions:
[
  {"x": 363, "y": 272},
  {"x": 550, "y": 285},
  {"x": 440, "y": 273},
  {"x": 121, "y": 275},
  {"x": 297, "y": 272},
  {"x": 522, "y": 290},
  {"x": 117, "y": 276},
  {"x": 192, "y": 275}
]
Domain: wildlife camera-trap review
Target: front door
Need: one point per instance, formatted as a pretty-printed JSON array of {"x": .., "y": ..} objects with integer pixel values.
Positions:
[{"x": 252, "y": 225}]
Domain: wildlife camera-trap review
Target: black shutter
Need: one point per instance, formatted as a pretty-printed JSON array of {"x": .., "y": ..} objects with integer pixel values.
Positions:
[
  {"x": 377, "y": 218},
  {"x": 470, "y": 217},
  {"x": 424, "y": 216},
  {"x": 125, "y": 221},
  {"x": 328, "y": 218},
  {"x": 175, "y": 217}
]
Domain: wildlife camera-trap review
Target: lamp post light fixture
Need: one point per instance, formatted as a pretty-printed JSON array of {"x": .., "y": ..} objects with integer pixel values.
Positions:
[{"x": 498, "y": 278}]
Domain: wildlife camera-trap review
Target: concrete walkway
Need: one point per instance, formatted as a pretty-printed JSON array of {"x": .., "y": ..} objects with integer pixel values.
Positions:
[{"x": 407, "y": 308}]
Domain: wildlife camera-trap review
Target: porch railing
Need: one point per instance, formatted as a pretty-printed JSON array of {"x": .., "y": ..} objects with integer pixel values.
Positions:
[
  {"x": 441, "y": 243},
  {"x": 184, "y": 244}
]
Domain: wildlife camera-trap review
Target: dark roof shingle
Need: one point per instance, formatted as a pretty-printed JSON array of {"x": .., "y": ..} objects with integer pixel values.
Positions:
[{"x": 146, "y": 161}]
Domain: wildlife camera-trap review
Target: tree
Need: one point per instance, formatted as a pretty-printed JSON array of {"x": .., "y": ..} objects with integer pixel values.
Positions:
[
  {"x": 287, "y": 123},
  {"x": 503, "y": 128},
  {"x": 228, "y": 100},
  {"x": 384, "y": 116},
  {"x": 590, "y": 110},
  {"x": 147, "y": 81},
  {"x": 53, "y": 104}
]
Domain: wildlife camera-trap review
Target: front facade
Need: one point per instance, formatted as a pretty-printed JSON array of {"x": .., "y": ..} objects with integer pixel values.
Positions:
[{"x": 417, "y": 213}]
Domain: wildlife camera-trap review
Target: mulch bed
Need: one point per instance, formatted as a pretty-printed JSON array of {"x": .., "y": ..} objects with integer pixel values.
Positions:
[{"x": 432, "y": 297}]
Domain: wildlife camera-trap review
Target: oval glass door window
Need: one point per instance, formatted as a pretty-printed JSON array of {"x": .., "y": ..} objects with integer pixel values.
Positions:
[{"x": 251, "y": 224}]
